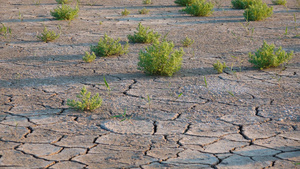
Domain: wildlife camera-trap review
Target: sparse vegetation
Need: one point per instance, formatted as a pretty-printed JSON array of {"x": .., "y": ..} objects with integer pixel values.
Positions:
[
  {"x": 185, "y": 2},
  {"x": 86, "y": 103},
  {"x": 143, "y": 35},
  {"x": 267, "y": 56},
  {"x": 258, "y": 12},
  {"x": 65, "y": 12},
  {"x": 219, "y": 66},
  {"x": 108, "y": 46},
  {"x": 187, "y": 42},
  {"x": 144, "y": 11},
  {"x": 243, "y": 4},
  {"x": 47, "y": 36},
  {"x": 125, "y": 12},
  {"x": 147, "y": 2},
  {"x": 4, "y": 31},
  {"x": 63, "y": 1},
  {"x": 200, "y": 8},
  {"x": 89, "y": 57},
  {"x": 160, "y": 59},
  {"x": 279, "y": 2}
]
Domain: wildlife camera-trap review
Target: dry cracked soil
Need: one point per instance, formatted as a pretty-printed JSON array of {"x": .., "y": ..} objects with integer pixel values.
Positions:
[{"x": 243, "y": 118}]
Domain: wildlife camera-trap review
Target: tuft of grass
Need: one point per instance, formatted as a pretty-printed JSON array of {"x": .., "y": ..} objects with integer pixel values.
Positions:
[
  {"x": 125, "y": 12},
  {"x": 200, "y": 8},
  {"x": 243, "y": 4},
  {"x": 160, "y": 59},
  {"x": 124, "y": 116},
  {"x": 86, "y": 103},
  {"x": 21, "y": 16},
  {"x": 219, "y": 66},
  {"x": 4, "y": 31},
  {"x": 205, "y": 82},
  {"x": 258, "y": 12},
  {"x": 184, "y": 2},
  {"x": 47, "y": 36},
  {"x": 89, "y": 57},
  {"x": 143, "y": 35},
  {"x": 187, "y": 42},
  {"x": 267, "y": 56},
  {"x": 63, "y": 1},
  {"x": 108, "y": 46},
  {"x": 147, "y": 2},
  {"x": 279, "y": 2},
  {"x": 65, "y": 12},
  {"x": 144, "y": 11},
  {"x": 106, "y": 84}
]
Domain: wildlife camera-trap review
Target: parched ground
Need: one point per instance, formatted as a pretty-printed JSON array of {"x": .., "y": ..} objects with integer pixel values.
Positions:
[{"x": 243, "y": 118}]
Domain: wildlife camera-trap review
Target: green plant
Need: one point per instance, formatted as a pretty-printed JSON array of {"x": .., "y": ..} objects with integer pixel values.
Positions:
[
  {"x": 205, "y": 82},
  {"x": 124, "y": 116},
  {"x": 108, "y": 46},
  {"x": 21, "y": 16},
  {"x": 219, "y": 66},
  {"x": 187, "y": 42},
  {"x": 267, "y": 56},
  {"x": 200, "y": 8},
  {"x": 243, "y": 4},
  {"x": 89, "y": 57},
  {"x": 184, "y": 2},
  {"x": 65, "y": 12},
  {"x": 160, "y": 59},
  {"x": 147, "y": 2},
  {"x": 279, "y": 2},
  {"x": 258, "y": 12},
  {"x": 47, "y": 36},
  {"x": 106, "y": 84},
  {"x": 144, "y": 11},
  {"x": 38, "y": 2},
  {"x": 143, "y": 35},
  {"x": 86, "y": 103},
  {"x": 4, "y": 31},
  {"x": 63, "y": 1},
  {"x": 125, "y": 12}
]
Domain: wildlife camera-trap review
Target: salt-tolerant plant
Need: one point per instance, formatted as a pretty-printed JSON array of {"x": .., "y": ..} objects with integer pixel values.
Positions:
[
  {"x": 258, "y": 12},
  {"x": 144, "y": 11},
  {"x": 267, "y": 56},
  {"x": 4, "y": 31},
  {"x": 108, "y": 46},
  {"x": 200, "y": 8},
  {"x": 47, "y": 36},
  {"x": 147, "y": 2},
  {"x": 89, "y": 57},
  {"x": 243, "y": 4},
  {"x": 219, "y": 66},
  {"x": 21, "y": 16},
  {"x": 279, "y": 2},
  {"x": 86, "y": 103},
  {"x": 143, "y": 35},
  {"x": 125, "y": 12},
  {"x": 65, "y": 12},
  {"x": 62, "y": 1},
  {"x": 187, "y": 42},
  {"x": 184, "y": 2},
  {"x": 160, "y": 59}
]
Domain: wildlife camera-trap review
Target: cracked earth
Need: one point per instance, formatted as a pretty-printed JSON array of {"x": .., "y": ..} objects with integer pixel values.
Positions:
[{"x": 243, "y": 118}]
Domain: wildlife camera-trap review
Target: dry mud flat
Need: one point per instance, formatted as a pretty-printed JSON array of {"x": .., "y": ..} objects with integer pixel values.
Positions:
[{"x": 248, "y": 119}]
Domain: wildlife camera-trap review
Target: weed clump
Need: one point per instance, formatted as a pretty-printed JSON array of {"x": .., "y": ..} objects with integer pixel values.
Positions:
[
  {"x": 200, "y": 8},
  {"x": 147, "y": 2},
  {"x": 47, "y": 36},
  {"x": 125, "y": 12},
  {"x": 62, "y": 1},
  {"x": 108, "y": 46},
  {"x": 65, "y": 12},
  {"x": 187, "y": 42},
  {"x": 258, "y": 12},
  {"x": 4, "y": 31},
  {"x": 243, "y": 4},
  {"x": 160, "y": 59},
  {"x": 86, "y": 103},
  {"x": 89, "y": 57},
  {"x": 185, "y": 2},
  {"x": 279, "y": 2},
  {"x": 143, "y": 35},
  {"x": 267, "y": 56},
  {"x": 219, "y": 66},
  {"x": 144, "y": 11}
]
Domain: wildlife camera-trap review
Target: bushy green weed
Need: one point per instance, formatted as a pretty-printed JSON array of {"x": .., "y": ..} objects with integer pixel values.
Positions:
[
  {"x": 144, "y": 11},
  {"x": 279, "y": 2},
  {"x": 243, "y": 4},
  {"x": 219, "y": 66},
  {"x": 258, "y": 12},
  {"x": 65, "y": 12},
  {"x": 200, "y": 8},
  {"x": 125, "y": 12},
  {"x": 184, "y": 2},
  {"x": 143, "y": 35},
  {"x": 47, "y": 36},
  {"x": 89, "y": 57},
  {"x": 187, "y": 42}
]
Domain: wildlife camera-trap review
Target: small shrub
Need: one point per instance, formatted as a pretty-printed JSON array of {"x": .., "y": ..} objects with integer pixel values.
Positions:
[
  {"x": 143, "y": 35},
  {"x": 200, "y": 8},
  {"x": 47, "y": 36},
  {"x": 267, "y": 56},
  {"x": 279, "y": 2},
  {"x": 147, "y": 2},
  {"x": 184, "y": 2},
  {"x": 187, "y": 42},
  {"x": 125, "y": 12},
  {"x": 65, "y": 12},
  {"x": 243, "y": 4},
  {"x": 62, "y": 1},
  {"x": 144, "y": 11},
  {"x": 160, "y": 59},
  {"x": 86, "y": 103},
  {"x": 108, "y": 46},
  {"x": 258, "y": 12},
  {"x": 89, "y": 57},
  {"x": 4, "y": 31},
  {"x": 219, "y": 66}
]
